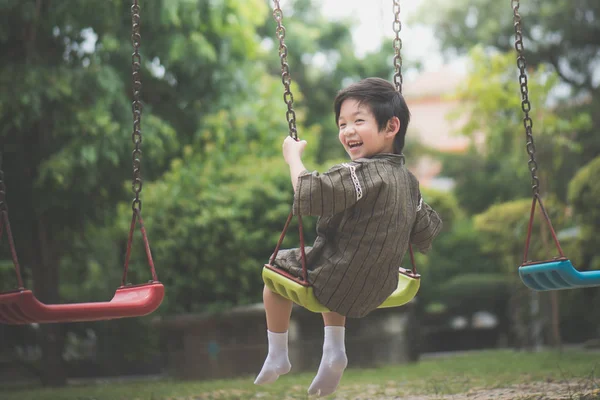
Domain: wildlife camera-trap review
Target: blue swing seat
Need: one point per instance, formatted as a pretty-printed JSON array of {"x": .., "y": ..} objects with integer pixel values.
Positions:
[{"x": 556, "y": 274}]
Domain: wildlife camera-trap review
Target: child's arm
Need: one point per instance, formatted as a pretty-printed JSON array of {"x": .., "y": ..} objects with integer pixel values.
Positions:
[
  {"x": 324, "y": 194},
  {"x": 292, "y": 153},
  {"x": 427, "y": 226}
]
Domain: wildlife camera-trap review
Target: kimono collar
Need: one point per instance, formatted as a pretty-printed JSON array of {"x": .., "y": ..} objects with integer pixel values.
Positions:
[{"x": 395, "y": 158}]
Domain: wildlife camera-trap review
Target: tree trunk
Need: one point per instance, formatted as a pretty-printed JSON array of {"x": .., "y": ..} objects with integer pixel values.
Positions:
[
  {"x": 555, "y": 318},
  {"x": 44, "y": 262},
  {"x": 53, "y": 372}
]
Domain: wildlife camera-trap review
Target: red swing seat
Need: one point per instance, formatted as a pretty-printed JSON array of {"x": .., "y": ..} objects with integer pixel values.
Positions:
[{"x": 22, "y": 307}]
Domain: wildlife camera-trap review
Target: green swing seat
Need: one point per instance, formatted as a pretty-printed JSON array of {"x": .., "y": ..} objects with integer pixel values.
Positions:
[{"x": 301, "y": 293}]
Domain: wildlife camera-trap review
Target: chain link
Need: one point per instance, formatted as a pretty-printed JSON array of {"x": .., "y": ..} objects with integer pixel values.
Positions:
[
  {"x": 397, "y": 47},
  {"x": 3, "y": 206},
  {"x": 136, "y": 65},
  {"x": 286, "y": 79},
  {"x": 525, "y": 104}
]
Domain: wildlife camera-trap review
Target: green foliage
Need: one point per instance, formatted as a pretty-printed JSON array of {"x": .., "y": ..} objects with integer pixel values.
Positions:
[
  {"x": 66, "y": 122},
  {"x": 213, "y": 228},
  {"x": 255, "y": 126},
  {"x": 322, "y": 59},
  {"x": 446, "y": 206},
  {"x": 92, "y": 270},
  {"x": 561, "y": 34},
  {"x": 482, "y": 181},
  {"x": 489, "y": 97},
  {"x": 584, "y": 195},
  {"x": 203, "y": 54},
  {"x": 503, "y": 228},
  {"x": 495, "y": 111},
  {"x": 561, "y": 42},
  {"x": 471, "y": 292},
  {"x": 458, "y": 250}
]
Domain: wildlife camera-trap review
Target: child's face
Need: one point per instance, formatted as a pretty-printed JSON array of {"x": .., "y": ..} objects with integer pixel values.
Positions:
[{"x": 358, "y": 131}]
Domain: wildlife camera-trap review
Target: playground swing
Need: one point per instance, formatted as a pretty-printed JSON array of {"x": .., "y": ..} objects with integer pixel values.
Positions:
[
  {"x": 21, "y": 306},
  {"x": 298, "y": 289},
  {"x": 557, "y": 273}
]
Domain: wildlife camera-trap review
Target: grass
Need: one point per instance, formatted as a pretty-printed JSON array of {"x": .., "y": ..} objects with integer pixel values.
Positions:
[{"x": 434, "y": 377}]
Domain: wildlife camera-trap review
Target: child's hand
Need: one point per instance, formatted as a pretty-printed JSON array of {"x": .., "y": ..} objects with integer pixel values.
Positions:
[{"x": 292, "y": 150}]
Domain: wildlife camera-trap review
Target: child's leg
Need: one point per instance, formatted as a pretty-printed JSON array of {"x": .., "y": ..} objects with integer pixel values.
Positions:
[
  {"x": 279, "y": 311},
  {"x": 334, "y": 360}
]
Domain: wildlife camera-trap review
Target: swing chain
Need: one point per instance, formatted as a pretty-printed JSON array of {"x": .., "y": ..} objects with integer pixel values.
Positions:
[
  {"x": 525, "y": 104},
  {"x": 136, "y": 64},
  {"x": 3, "y": 206},
  {"x": 397, "y": 47},
  {"x": 286, "y": 79}
]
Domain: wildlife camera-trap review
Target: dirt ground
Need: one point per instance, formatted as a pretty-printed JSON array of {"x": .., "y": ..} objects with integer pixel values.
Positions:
[{"x": 587, "y": 390}]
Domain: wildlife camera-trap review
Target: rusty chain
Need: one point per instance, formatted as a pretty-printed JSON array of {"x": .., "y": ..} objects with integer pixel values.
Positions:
[
  {"x": 525, "y": 104},
  {"x": 286, "y": 79},
  {"x": 3, "y": 206},
  {"x": 136, "y": 65},
  {"x": 397, "y": 47},
  {"x": 5, "y": 227}
]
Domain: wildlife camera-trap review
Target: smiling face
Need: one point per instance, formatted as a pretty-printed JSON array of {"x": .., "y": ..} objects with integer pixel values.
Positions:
[{"x": 359, "y": 133}]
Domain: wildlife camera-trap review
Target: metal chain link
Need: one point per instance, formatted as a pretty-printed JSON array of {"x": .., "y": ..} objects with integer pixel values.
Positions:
[
  {"x": 136, "y": 65},
  {"x": 3, "y": 206},
  {"x": 5, "y": 226},
  {"x": 525, "y": 104},
  {"x": 286, "y": 79},
  {"x": 397, "y": 47}
]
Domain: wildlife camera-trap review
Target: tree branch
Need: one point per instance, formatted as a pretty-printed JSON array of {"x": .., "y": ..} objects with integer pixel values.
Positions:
[{"x": 33, "y": 30}]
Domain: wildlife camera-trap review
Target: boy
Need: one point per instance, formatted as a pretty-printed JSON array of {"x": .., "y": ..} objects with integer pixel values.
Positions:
[{"x": 369, "y": 210}]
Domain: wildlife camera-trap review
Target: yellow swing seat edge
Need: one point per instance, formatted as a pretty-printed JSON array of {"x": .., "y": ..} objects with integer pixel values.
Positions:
[{"x": 304, "y": 295}]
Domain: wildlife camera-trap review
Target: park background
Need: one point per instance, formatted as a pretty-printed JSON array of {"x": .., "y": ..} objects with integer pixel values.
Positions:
[{"x": 216, "y": 190}]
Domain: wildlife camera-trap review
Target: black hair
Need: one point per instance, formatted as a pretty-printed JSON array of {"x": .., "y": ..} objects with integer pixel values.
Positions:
[{"x": 384, "y": 101}]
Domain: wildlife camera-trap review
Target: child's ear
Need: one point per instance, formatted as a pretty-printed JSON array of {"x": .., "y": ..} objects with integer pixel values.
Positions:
[{"x": 393, "y": 126}]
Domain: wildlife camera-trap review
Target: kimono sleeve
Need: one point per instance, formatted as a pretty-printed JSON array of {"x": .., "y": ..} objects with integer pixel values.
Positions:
[
  {"x": 427, "y": 226},
  {"x": 329, "y": 193}
]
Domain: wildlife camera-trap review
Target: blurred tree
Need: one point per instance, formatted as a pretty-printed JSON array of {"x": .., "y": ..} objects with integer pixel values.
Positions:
[
  {"x": 563, "y": 34},
  {"x": 503, "y": 229},
  {"x": 65, "y": 117},
  {"x": 217, "y": 213},
  {"x": 63, "y": 124},
  {"x": 322, "y": 58},
  {"x": 561, "y": 43},
  {"x": 213, "y": 122},
  {"x": 485, "y": 177},
  {"x": 497, "y": 157},
  {"x": 584, "y": 196}
]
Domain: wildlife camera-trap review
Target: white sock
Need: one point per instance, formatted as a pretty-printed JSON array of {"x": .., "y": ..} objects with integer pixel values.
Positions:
[
  {"x": 333, "y": 362},
  {"x": 277, "y": 362}
]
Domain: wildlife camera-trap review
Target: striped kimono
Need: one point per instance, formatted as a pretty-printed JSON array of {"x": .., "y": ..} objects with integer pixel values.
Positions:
[{"x": 369, "y": 210}]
